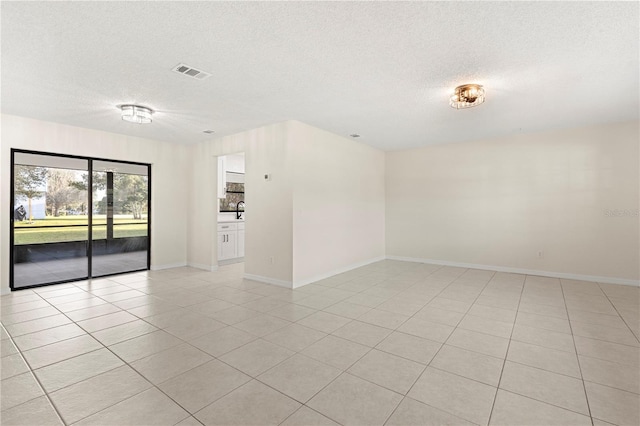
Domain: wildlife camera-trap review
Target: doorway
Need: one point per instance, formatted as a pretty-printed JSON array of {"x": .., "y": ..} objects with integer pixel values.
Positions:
[
  {"x": 231, "y": 209},
  {"x": 75, "y": 218}
]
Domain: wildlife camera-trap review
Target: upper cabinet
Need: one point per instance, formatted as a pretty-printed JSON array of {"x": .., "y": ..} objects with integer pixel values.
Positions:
[
  {"x": 234, "y": 163},
  {"x": 230, "y": 169},
  {"x": 222, "y": 176}
]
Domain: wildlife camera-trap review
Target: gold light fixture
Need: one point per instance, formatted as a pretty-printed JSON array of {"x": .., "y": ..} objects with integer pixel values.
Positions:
[{"x": 467, "y": 96}]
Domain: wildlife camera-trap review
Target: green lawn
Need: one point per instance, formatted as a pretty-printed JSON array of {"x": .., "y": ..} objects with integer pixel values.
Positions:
[
  {"x": 77, "y": 220},
  {"x": 34, "y": 233}
]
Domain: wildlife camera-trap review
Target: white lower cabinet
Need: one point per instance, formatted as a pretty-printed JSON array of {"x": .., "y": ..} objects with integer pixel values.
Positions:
[
  {"x": 227, "y": 246},
  {"x": 230, "y": 240}
]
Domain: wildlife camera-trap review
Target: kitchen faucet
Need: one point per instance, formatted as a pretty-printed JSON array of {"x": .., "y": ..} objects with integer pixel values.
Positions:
[{"x": 238, "y": 212}]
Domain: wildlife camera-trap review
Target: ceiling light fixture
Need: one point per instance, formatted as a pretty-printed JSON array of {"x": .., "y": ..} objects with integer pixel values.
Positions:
[
  {"x": 136, "y": 114},
  {"x": 467, "y": 96}
]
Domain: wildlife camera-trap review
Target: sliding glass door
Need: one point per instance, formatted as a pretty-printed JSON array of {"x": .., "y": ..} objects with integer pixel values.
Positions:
[
  {"x": 120, "y": 217},
  {"x": 50, "y": 221},
  {"x": 75, "y": 218}
]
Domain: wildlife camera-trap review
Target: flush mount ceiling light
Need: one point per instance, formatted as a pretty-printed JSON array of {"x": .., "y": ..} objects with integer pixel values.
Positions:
[
  {"x": 136, "y": 114},
  {"x": 467, "y": 96}
]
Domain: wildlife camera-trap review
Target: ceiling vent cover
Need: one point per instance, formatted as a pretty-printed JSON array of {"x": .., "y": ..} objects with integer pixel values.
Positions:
[{"x": 191, "y": 72}]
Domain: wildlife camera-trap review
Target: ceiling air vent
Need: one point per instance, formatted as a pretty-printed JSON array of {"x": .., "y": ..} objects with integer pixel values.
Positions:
[{"x": 191, "y": 72}]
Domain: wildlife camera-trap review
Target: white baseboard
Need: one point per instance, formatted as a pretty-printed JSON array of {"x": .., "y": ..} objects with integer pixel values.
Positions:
[
  {"x": 168, "y": 266},
  {"x": 268, "y": 280},
  {"x": 593, "y": 278},
  {"x": 230, "y": 261},
  {"x": 5, "y": 290},
  {"x": 300, "y": 283},
  {"x": 210, "y": 268}
]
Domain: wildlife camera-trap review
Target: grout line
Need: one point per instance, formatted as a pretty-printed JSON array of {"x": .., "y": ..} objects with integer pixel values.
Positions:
[
  {"x": 309, "y": 408},
  {"x": 443, "y": 343},
  {"x": 545, "y": 403},
  {"x": 618, "y": 312},
  {"x": 300, "y": 352},
  {"x": 506, "y": 354},
  {"x": 125, "y": 363},
  {"x": 345, "y": 371},
  {"x": 44, "y": 393},
  {"x": 415, "y": 279},
  {"x": 575, "y": 348}
]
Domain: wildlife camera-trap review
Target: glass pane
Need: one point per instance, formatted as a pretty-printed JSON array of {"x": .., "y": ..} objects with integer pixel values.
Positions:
[
  {"x": 120, "y": 217},
  {"x": 234, "y": 195},
  {"x": 50, "y": 219}
]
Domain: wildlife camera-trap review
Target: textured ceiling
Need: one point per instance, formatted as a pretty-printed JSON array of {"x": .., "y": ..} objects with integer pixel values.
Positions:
[{"x": 383, "y": 70}]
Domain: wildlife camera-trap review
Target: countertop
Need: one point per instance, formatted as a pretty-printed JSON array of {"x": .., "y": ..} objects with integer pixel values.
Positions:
[{"x": 230, "y": 220}]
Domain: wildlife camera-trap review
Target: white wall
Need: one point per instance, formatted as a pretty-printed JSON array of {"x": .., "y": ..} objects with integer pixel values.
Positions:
[
  {"x": 338, "y": 203},
  {"x": 572, "y": 194},
  {"x": 321, "y": 211},
  {"x": 169, "y": 193},
  {"x": 202, "y": 208},
  {"x": 268, "y": 213}
]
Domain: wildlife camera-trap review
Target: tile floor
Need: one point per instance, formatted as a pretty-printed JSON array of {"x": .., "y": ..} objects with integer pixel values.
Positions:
[{"x": 393, "y": 343}]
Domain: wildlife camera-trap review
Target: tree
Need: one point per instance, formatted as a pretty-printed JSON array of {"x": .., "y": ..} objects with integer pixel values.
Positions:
[
  {"x": 29, "y": 182},
  {"x": 61, "y": 190},
  {"x": 131, "y": 193},
  {"x": 99, "y": 181}
]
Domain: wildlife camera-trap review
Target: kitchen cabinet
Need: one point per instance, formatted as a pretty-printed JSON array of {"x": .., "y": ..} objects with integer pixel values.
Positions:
[
  {"x": 222, "y": 177},
  {"x": 227, "y": 247},
  {"x": 230, "y": 240}
]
